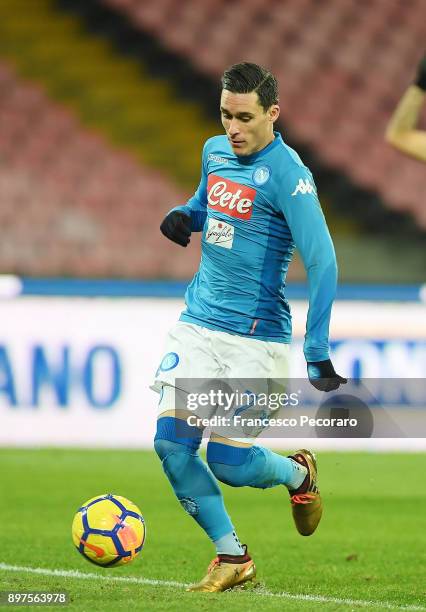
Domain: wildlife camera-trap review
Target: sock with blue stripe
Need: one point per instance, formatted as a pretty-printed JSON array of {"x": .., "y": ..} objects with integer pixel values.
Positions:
[{"x": 194, "y": 484}]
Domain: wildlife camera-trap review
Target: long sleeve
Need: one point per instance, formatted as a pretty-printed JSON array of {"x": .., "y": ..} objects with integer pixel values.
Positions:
[{"x": 299, "y": 202}]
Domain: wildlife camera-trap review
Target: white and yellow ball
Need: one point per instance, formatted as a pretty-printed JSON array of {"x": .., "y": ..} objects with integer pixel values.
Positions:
[{"x": 109, "y": 530}]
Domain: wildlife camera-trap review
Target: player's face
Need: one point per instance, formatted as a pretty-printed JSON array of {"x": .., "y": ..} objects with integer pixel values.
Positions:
[{"x": 248, "y": 126}]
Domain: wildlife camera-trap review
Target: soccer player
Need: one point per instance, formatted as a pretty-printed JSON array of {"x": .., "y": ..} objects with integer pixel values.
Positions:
[
  {"x": 401, "y": 131},
  {"x": 256, "y": 201}
]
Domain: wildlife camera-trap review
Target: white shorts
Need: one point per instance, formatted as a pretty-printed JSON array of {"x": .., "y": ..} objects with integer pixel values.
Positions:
[{"x": 195, "y": 352}]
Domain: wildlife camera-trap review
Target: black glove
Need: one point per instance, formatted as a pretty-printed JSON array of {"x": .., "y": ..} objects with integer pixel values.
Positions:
[
  {"x": 323, "y": 377},
  {"x": 177, "y": 227},
  {"x": 421, "y": 74}
]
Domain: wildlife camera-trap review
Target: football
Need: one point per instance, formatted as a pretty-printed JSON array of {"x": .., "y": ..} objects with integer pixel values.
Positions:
[{"x": 109, "y": 530}]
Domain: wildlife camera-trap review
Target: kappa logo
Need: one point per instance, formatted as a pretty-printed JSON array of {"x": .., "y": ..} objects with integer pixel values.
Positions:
[
  {"x": 217, "y": 158},
  {"x": 303, "y": 187},
  {"x": 230, "y": 198}
]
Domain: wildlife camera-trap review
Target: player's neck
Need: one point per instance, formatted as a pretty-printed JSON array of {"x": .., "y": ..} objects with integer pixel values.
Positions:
[{"x": 268, "y": 141}]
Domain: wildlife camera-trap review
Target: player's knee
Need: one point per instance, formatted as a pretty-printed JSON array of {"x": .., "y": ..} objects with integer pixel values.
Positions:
[
  {"x": 163, "y": 447},
  {"x": 170, "y": 439},
  {"x": 175, "y": 459},
  {"x": 228, "y": 463}
]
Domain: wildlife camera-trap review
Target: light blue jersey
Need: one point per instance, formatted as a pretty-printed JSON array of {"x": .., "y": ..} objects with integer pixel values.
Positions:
[{"x": 253, "y": 211}]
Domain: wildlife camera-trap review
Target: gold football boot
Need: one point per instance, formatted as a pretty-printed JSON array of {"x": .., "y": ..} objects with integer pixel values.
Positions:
[
  {"x": 226, "y": 572},
  {"x": 306, "y": 502}
]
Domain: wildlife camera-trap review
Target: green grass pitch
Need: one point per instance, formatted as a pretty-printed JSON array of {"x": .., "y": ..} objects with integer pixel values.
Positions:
[{"x": 368, "y": 553}]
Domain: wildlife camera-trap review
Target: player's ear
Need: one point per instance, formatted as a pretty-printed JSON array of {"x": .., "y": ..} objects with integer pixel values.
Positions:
[{"x": 273, "y": 113}]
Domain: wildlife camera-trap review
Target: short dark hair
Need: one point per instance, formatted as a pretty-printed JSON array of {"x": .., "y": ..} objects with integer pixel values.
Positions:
[{"x": 247, "y": 77}]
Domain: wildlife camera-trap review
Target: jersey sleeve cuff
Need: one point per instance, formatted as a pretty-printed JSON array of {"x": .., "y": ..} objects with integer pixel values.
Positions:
[{"x": 313, "y": 355}]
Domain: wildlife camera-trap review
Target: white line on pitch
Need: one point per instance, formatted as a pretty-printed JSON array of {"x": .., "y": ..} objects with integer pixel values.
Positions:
[{"x": 170, "y": 583}]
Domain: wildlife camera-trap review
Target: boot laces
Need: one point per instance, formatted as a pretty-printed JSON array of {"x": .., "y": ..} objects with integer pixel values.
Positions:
[
  {"x": 213, "y": 565},
  {"x": 302, "y": 498}
]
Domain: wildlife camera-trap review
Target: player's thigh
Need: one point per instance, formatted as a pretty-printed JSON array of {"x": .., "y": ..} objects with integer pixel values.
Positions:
[
  {"x": 187, "y": 354},
  {"x": 244, "y": 357},
  {"x": 257, "y": 373},
  {"x": 258, "y": 366},
  {"x": 178, "y": 403}
]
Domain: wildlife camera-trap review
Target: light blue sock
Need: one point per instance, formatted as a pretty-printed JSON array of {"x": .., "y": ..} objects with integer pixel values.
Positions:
[
  {"x": 192, "y": 481},
  {"x": 253, "y": 467},
  {"x": 229, "y": 544},
  {"x": 297, "y": 475}
]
